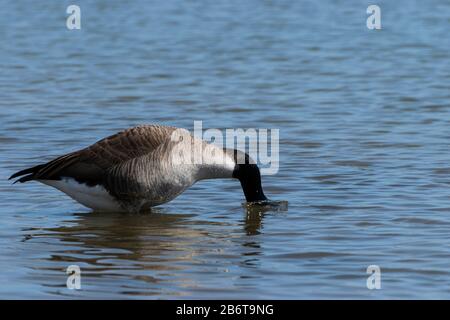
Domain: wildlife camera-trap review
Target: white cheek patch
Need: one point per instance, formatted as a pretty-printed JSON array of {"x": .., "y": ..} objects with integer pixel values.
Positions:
[{"x": 96, "y": 197}]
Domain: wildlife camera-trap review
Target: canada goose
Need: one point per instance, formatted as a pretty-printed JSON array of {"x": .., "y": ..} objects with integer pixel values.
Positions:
[{"x": 142, "y": 167}]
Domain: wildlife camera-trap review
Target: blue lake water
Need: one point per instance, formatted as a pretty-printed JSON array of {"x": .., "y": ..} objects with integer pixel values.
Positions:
[{"x": 364, "y": 120}]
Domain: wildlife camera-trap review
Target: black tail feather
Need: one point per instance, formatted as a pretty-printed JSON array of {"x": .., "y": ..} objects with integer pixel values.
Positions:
[
  {"x": 25, "y": 178},
  {"x": 30, "y": 172}
]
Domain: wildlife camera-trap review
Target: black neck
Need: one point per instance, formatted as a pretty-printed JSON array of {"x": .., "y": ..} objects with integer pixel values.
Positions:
[{"x": 250, "y": 178}]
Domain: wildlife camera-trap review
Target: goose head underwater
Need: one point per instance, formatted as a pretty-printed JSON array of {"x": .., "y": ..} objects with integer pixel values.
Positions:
[{"x": 143, "y": 167}]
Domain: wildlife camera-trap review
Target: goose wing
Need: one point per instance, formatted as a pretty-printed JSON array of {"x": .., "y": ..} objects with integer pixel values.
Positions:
[{"x": 89, "y": 165}]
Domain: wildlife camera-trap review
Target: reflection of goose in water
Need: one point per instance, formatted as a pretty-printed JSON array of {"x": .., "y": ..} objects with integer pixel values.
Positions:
[
  {"x": 254, "y": 219},
  {"x": 135, "y": 250}
]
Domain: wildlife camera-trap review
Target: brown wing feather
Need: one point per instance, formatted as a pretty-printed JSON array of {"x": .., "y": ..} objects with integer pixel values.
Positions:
[{"x": 90, "y": 164}]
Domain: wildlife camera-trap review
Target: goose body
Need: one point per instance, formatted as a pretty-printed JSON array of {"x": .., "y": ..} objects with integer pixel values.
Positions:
[{"x": 142, "y": 167}]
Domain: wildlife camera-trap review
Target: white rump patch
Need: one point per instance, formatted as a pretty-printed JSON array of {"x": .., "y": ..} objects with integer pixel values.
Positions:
[{"x": 96, "y": 198}]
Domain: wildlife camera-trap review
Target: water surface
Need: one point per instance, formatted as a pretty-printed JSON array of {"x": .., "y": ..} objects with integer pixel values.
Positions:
[{"x": 364, "y": 125}]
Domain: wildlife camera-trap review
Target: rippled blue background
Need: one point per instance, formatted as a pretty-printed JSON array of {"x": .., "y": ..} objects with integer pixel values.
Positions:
[{"x": 364, "y": 152}]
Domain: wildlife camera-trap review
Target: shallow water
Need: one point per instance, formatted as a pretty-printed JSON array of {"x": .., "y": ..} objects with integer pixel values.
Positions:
[{"x": 364, "y": 153}]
